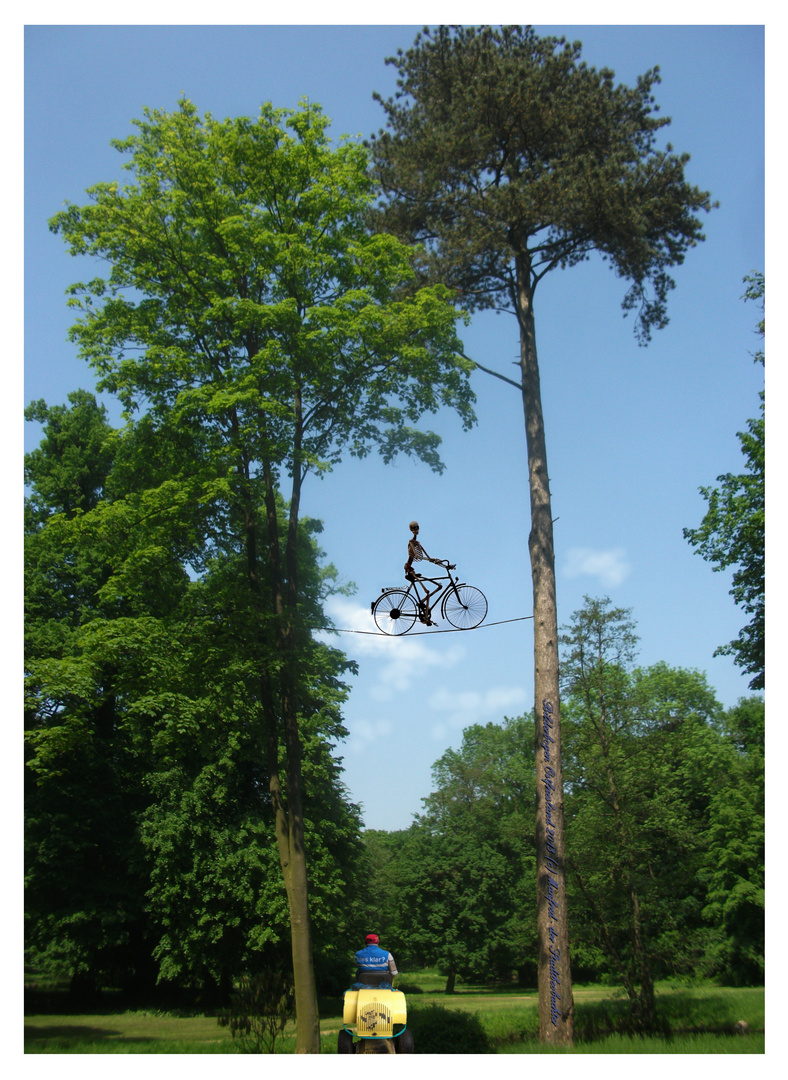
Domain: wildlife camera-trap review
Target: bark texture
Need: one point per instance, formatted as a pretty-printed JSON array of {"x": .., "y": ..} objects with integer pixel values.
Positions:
[{"x": 556, "y": 1004}]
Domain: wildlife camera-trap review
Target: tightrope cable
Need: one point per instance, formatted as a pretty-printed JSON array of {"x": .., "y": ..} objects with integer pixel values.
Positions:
[{"x": 416, "y": 633}]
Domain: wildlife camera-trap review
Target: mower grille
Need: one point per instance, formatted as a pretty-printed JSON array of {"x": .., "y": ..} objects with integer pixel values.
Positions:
[{"x": 374, "y": 1021}]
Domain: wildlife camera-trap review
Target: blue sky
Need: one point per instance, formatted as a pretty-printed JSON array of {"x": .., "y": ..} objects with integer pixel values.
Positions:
[{"x": 632, "y": 432}]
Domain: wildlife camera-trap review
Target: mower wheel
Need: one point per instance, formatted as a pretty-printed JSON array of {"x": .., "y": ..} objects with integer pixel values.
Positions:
[
  {"x": 345, "y": 1043},
  {"x": 403, "y": 1044}
]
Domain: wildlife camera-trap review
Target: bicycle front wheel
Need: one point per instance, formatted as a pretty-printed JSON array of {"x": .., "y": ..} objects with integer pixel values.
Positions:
[
  {"x": 394, "y": 612},
  {"x": 465, "y": 607}
]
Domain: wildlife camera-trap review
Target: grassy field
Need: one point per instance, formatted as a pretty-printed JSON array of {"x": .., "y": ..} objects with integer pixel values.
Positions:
[{"x": 695, "y": 1020}]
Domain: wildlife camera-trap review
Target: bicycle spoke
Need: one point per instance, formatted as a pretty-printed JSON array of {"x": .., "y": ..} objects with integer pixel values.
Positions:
[
  {"x": 394, "y": 612},
  {"x": 465, "y": 607}
]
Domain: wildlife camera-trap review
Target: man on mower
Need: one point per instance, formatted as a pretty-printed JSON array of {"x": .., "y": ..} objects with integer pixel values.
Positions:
[{"x": 376, "y": 967}]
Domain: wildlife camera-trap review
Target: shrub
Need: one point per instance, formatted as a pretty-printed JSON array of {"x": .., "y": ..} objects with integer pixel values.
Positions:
[
  {"x": 259, "y": 1010},
  {"x": 438, "y": 1030}
]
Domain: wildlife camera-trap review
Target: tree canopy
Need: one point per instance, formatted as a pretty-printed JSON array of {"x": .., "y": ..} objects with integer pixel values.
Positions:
[
  {"x": 468, "y": 856},
  {"x": 502, "y": 144},
  {"x": 150, "y": 844},
  {"x": 254, "y": 331},
  {"x": 242, "y": 280},
  {"x": 733, "y": 530},
  {"x": 651, "y": 766},
  {"x": 665, "y": 834}
]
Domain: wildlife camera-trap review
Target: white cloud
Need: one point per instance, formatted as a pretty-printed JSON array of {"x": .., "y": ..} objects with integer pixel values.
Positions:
[
  {"x": 368, "y": 733},
  {"x": 495, "y": 700},
  {"x": 472, "y": 707},
  {"x": 401, "y": 659},
  {"x": 609, "y": 567}
]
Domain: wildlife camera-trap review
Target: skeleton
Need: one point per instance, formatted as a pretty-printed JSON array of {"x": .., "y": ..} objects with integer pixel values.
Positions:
[{"x": 416, "y": 553}]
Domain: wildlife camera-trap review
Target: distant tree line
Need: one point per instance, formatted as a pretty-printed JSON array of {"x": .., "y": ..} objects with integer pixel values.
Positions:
[
  {"x": 664, "y": 803},
  {"x": 151, "y": 853}
]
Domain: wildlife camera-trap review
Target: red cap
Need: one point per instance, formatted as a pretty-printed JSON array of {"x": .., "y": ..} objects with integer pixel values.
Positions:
[{"x": 372, "y": 939}]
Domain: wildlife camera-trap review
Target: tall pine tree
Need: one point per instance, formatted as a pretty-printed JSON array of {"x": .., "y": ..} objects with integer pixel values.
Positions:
[{"x": 508, "y": 157}]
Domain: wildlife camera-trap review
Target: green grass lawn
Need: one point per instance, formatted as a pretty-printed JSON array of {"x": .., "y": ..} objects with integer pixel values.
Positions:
[
  {"x": 698, "y": 1019},
  {"x": 126, "y": 1033}
]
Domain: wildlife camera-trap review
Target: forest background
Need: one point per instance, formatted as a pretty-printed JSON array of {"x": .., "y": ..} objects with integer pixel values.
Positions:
[{"x": 639, "y": 415}]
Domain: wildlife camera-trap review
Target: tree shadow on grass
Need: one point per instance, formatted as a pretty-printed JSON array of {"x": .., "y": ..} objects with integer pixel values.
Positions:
[
  {"x": 39, "y": 1036},
  {"x": 677, "y": 1014}
]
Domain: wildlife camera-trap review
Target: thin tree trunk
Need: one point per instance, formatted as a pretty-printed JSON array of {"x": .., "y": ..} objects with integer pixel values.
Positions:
[
  {"x": 647, "y": 1015},
  {"x": 643, "y": 1003},
  {"x": 610, "y": 944},
  {"x": 307, "y": 1013},
  {"x": 556, "y": 1005},
  {"x": 289, "y": 818},
  {"x": 287, "y": 800}
]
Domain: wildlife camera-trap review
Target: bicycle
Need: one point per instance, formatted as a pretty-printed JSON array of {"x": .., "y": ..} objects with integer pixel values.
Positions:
[{"x": 396, "y": 609}]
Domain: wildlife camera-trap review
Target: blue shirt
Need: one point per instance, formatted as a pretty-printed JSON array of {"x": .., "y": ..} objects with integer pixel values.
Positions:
[{"x": 373, "y": 958}]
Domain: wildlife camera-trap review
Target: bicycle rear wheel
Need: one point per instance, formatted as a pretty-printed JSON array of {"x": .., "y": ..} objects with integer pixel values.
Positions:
[
  {"x": 465, "y": 607},
  {"x": 394, "y": 612}
]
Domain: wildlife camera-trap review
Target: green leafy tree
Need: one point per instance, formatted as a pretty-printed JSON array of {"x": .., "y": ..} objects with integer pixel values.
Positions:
[
  {"x": 84, "y": 881},
  {"x": 453, "y": 901},
  {"x": 380, "y": 880},
  {"x": 732, "y": 533},
  {"x": 248, "y": 309},
  {"x": 150, "y": 842},
  {"x": 508, "y": 157},
  {"x": 69, "y": 469},
  {"x": 647, "y": 761},
  {"x": 465, "y": 861},
  {"x": 736, "y": 897}
]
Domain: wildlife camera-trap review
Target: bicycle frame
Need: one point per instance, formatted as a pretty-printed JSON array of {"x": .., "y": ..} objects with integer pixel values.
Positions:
[
  {"x": 443, "y": 590},
  {"x": 398, "y": 607}
]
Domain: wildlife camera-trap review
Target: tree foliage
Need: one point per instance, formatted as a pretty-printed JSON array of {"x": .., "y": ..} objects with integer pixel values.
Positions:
[
  {"x": 652, "y": 766},
  {"x": 665, "y": 834},
  {"x": 735, "y": 872},
  {"x": 474, "y": 855},
  {"x": 254, "y": 331},
  {"x": 150, "y": 844},
  {"x": 502, "y": 144},
  {"x": 241, "y": 268},
  {"x": 507, "y": 157},
  {"x": 733, "y": 530},
  {"x": 449, "y": 890}
]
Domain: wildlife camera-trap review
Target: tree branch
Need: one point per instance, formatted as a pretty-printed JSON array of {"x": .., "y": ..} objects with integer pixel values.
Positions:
[{"x": 497, "y": 374}]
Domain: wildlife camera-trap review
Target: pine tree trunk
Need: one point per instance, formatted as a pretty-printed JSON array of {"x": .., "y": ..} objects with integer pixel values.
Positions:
[{"x": 556, "y": 1006}]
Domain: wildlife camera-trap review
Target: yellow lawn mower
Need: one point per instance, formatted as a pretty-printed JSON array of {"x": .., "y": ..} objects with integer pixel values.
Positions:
[{"x": 380, "y": 1017}]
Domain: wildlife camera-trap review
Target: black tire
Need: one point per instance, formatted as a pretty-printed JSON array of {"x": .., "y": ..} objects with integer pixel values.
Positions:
[
  {"x": 403, "y": 1044},
  {"x": 394, "y": 612},
  {"x": 465, "y": 607},
  {"x": 345, "y": 1043}
]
